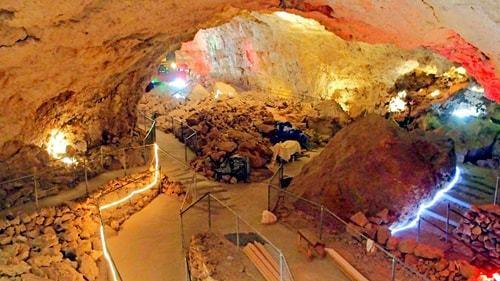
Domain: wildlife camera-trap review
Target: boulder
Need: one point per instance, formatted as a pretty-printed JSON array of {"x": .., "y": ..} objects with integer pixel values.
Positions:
[
  {"x": 373, "y": 164},
  {"x": 407, "y": 246},
  {"x": 88, "y": 268},
  {"x": 268, "y": 217},
  {"x": 359, "y": 218},
  {"x": 428, "y": 252},
  {"x": 383, "y": 234}
]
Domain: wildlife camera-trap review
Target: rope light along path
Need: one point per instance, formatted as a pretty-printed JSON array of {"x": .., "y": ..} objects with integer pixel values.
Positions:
[
  {"x": 105, "y": 251},
  {"x": 395, "y": 228},
  {"x": 135, "y": 192}
]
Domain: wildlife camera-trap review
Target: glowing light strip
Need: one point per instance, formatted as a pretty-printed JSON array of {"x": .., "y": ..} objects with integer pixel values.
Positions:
[
  {"x": 107, "y": 255},
  {"x": 105, "y": 252},
  {"x": 135, "y": 192},
  {"x": 406, "y": 225}
]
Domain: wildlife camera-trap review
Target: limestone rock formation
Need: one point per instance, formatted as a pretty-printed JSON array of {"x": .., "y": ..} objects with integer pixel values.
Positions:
[
  {"x": 284, "y": 54},
  {"x": 373, "y": 164}
]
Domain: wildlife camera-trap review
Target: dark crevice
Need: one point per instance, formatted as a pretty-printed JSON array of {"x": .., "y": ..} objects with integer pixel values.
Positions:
[
  {"x": 27, "y": 37},
  {"x": 432, "y": 8}
]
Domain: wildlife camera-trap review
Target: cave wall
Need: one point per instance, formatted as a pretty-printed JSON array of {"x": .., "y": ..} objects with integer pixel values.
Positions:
[
  {"x": 81, "y": 65},
  {"x": 284, "y": 54},
  {"x": 466, "y": 32}
]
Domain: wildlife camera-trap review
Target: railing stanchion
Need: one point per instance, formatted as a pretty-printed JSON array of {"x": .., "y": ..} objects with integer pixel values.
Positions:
[
  {"x": 269, "y": 197},
  {"x": 418, "y": 229},
  {"x": 86, "y": 177},
  {"x": 101, "y": 157},
  {"x": 35, "y": 187},
  {"x": 321, "y": 222},
  {"x": 447, "y": 220},
  {"x": 393, "y": 269},
  {"x": 496, "y": 191},
  {"x": 237, "y": 232},
  {"x": 209, "y": 213},
  {"x": 281, "y": 267}
]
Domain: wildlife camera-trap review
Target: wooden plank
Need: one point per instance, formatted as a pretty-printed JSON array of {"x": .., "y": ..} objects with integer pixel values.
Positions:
[
  {"x": 269, "y": 259},
  {"x": 258, "y": 264},
  {"x": 345, "y": 266},
  {"x": 264, "y": 261}
]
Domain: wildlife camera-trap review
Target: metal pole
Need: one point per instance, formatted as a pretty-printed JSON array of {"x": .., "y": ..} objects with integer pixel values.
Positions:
[
  {"x": 496, "y": 191},
  {"x": 182, "y": 233},
  {"x": 447, "y": 220},
  {"x": 418, "y": 230},
  {"x": 86, "y": 177},
  {"x": 125, "y": 162},
  {"x": 269, "y": 197},
  {"x": 209, "y": 214},
  {"x": 321, "y": 222},
  {"x": 237, "y": 231},
  {"x": 393, "y": 271},
  {"x": 35, "y": 188},
  {"x": 101, "y": 157},
  {"x": 281, "y": 267}
]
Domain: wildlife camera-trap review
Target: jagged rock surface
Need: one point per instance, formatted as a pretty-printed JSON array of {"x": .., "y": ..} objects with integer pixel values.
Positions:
[{"x": 374, "y": 164}]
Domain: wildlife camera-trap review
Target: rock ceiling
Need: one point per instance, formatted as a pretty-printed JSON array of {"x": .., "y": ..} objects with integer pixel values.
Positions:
[{"x": 81, "y": 65}]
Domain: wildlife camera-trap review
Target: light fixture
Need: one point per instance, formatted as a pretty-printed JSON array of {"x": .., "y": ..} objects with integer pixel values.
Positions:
[
  {"x": 397, "y": 227},
  {"x": 135, "y": 192},
  {"x": 436, "y": 93},
  {"x": 57, "y": 147},
  {"x": 178, "y": 83},
  {"x": 397, "y": 103},
  {"x": 173, "y": 65},
  {"x": 464, "y": 112}
]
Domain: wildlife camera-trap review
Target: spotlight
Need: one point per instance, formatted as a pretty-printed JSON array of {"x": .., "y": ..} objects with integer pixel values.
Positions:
[
  {"x": 465, "y": 112},
  {"x": 178, "y": 83}
]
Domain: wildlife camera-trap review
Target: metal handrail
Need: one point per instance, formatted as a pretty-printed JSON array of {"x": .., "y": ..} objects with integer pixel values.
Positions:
[
  {"x": 358, "y": 233},
  {"x": 239, "y": 219},
  {"x": 86, "y": 161}
]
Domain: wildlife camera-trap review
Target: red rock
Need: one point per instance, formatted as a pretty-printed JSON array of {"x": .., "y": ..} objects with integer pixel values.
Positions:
[
  {"x": 392, "y": 243},
  {"x": 227, "y": 146},
  {"x": 466, "y": 269},
  {"x": 441, "y": 265},
  {"x": 383, "y": 234},
  {"x": 411, "y": 260},
  {"x": 384, "y": 215},
  {"x": 407, "y": 246},
  {"x": 360, "y": 219},
  {"x": 428, "y": 252}
]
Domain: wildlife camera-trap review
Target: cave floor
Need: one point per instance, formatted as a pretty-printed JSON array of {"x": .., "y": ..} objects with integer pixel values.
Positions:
[{"x": 149, "y": 245}]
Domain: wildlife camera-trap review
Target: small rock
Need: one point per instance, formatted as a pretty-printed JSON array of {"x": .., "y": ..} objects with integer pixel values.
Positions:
[
  {"x": 268, "y": 217},
  {"x": 407, "y": 246},
  {"x": 428, "y": 252},
  {"x": 360, "y": 219},
  {"x": 383, "y": 234}
]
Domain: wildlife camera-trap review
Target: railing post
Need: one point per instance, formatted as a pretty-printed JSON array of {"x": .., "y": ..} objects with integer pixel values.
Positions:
[
  {"x": 496, "y": 191},
  {"x": 447, "y": 220},
  {"x": 125, "y": 162},
  {"x": 86, "y": 177},
  {"x": 209, "y": 214},
  {"x": 321, "y": 222},
  {"x": 281, "y": 267},
  {"x": 269, "y": 197},
  {"x": 237, "y": 231},
  {"x": 393, "y": 269},
  {"x": 182, "y": 232},
  {"x": 35, "y": 187},
  {"x": 101, "y": 157},
  {"x": 418, "y": 229}
]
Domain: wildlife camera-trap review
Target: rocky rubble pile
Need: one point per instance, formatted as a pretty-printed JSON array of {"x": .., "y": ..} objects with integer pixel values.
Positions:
[
  {"x": 427, "y": 260},
  {"x": 55, "y": 243},
  {"x": 212, "y": 257},
  {"x": 241, "y": 124},
  {"x": 373, "y": 164},
  {"x": 480, "y": 229},
  {"x": 114, "y": 217}
]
